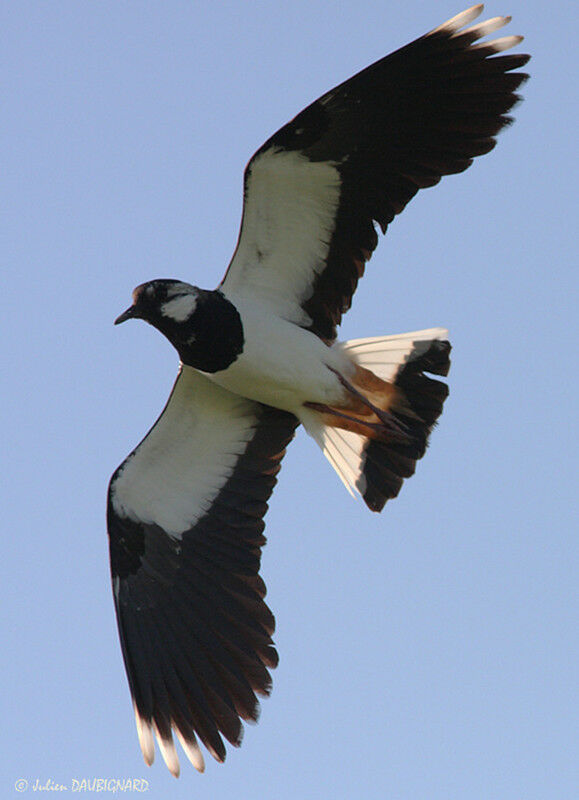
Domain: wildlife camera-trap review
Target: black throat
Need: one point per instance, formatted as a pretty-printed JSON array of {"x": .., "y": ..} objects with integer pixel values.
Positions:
[{"x": 212, "y": 338}]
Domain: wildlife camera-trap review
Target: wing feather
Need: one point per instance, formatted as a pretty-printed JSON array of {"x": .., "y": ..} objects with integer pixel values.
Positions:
[
  {"x": 195, "y": 631},
  {"x": 357, "y": 156}
]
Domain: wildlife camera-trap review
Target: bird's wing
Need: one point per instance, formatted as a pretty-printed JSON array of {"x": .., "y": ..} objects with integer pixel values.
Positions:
[
  {"x": 358, "y": 155},
  {"x": 185, "y": 526}
]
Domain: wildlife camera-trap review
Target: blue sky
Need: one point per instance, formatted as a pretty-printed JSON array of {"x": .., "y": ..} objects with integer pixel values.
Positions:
[{"x": 428, "y": 652}]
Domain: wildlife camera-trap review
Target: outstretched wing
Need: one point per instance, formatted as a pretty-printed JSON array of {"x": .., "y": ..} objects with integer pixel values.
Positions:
[
  {"x": 185, "y": 521},
  {"x": 358, "y": 155}
]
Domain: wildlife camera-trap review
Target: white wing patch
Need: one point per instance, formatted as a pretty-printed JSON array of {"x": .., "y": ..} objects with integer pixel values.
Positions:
[
  {"x": 173, "y": 476},
  {"x": 288, "y": 219}
]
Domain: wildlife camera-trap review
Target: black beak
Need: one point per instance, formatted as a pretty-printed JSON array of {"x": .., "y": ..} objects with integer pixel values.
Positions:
[{"x": 128, "y": 314}]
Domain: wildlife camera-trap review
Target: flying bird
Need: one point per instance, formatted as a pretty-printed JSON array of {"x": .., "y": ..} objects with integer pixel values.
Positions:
[{"x": 259, "y": 355}]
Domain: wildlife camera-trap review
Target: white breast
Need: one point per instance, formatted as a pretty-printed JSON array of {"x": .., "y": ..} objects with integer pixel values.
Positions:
[{"x": 282, "y": 365}]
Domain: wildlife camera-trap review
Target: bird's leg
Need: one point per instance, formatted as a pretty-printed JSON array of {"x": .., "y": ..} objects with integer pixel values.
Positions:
[
  {"x": 352, "y": 423},
  {"x": 385, "y": 417}
]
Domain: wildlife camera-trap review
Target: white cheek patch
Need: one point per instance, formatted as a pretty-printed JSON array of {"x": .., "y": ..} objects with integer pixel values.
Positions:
[{"x": 179, "y": 308}]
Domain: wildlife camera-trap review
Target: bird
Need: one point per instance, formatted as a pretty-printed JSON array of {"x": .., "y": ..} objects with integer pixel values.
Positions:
[{"x": 259, "y": 356}]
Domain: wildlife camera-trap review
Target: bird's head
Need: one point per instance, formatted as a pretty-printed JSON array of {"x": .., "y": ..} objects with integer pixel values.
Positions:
[
  {"x": 203, "y": 326},
  {"x": 163, "y": 303}
]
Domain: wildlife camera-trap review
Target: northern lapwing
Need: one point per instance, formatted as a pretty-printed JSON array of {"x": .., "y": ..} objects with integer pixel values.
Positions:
[{"x": 259, "y": 355}]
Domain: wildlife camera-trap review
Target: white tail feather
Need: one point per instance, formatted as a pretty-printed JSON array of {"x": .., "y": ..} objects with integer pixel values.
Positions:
[
  {"x": 343, "y": 449},
  {"x": 384, "y": 356}
]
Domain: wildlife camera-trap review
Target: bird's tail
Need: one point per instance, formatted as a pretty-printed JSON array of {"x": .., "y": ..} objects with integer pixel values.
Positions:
[{"x": 374, "y": 442}]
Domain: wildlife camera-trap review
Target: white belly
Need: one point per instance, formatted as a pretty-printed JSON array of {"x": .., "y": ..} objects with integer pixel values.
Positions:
[{"x": 283, "y": 365}]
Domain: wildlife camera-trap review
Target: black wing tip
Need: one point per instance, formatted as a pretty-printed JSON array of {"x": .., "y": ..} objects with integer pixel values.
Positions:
[{"x": 169, "y": 711}]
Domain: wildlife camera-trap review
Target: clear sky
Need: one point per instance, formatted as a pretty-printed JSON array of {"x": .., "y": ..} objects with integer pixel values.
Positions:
[{"x": 427, "y": 653}]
